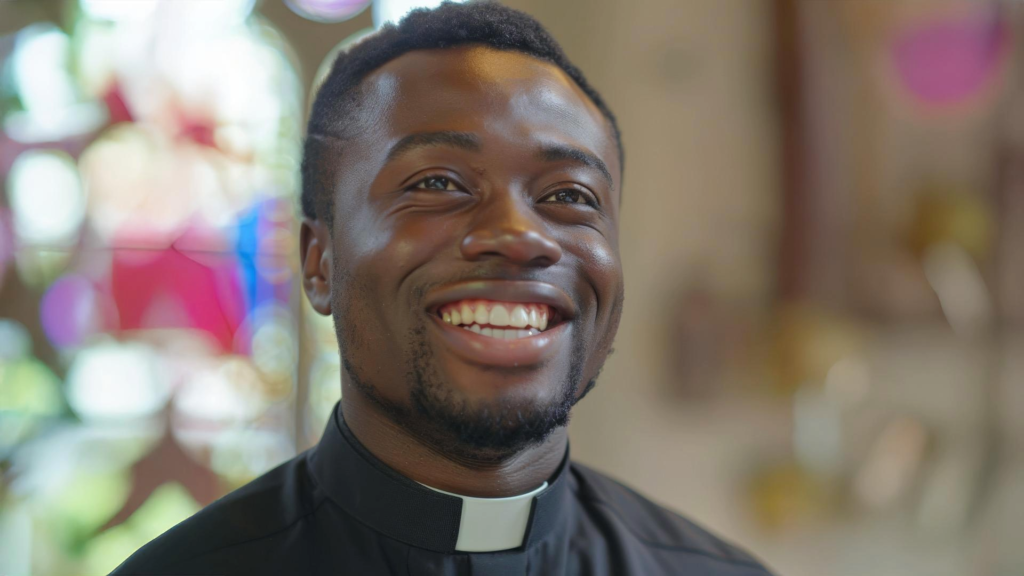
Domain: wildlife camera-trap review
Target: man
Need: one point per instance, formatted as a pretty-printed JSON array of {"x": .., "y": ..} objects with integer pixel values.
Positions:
[{"x": 461, "y": 193}]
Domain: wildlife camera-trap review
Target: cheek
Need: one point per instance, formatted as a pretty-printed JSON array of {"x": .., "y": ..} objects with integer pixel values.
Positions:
[
  {"x": 602, "y": 272},
  {"x": 380, "y": 255},
  {"x": 603, "y": 265},
  {"x": 375, "y": 257},
  {"x": 417, "y": 241}
]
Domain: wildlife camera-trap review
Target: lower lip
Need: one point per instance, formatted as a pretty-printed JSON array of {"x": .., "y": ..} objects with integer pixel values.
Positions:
[{"x": 480, "y": 349}]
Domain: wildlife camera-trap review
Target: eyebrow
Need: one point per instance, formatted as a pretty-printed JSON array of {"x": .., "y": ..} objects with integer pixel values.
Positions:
[
  {"x": 561, "y": 153},
  {"x": 449, "y": 138}
]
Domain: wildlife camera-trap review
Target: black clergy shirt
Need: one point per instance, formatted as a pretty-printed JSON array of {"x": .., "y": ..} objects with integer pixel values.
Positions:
[{"x": 336, "y": 509}]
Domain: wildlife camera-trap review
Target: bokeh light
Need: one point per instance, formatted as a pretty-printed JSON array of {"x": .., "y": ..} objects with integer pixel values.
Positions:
[
  {"x": 15, "y": 341},
  {"x": 393, "y": 11},
  {"x": 240, "y": 455},
  {"x": 29, "y": 394},
  {"x": 274, "y": 350},
  {"x": 204, "y": 17},
  {"x": 953, "y": 58},
  {"x": 49, "y": 103},
  {"x": 119, "y": 10},
  {"x": 40, "y": 69},
  {"x": 117, "y": 380},
  {"x": 228, "y": 391},
  {"x": 47, "y": 198},
  {"x": 328, "y": 11},
  {"x": 70, "y": 311}
]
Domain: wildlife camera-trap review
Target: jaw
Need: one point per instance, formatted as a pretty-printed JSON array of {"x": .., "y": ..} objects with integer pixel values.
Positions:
[{"x": 482, "y": 415}]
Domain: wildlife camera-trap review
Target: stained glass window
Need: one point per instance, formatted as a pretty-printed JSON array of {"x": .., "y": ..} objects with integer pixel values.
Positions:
[{"x": 151, "y": 318}]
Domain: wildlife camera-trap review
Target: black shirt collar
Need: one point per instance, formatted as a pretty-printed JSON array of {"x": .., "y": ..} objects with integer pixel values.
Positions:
[{"x": 402, "y": 509}]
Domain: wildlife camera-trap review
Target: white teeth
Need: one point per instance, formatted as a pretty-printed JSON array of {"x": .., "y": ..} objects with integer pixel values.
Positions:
[
  {"x": 519, "y": 319},
  {"x": 481, "y": 315},
  {"x": 502, "y": 334},
  {"x": 499, "y": 316},
  {"x": 532, "y": 317}
]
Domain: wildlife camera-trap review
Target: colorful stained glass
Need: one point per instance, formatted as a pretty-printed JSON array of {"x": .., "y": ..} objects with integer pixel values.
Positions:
[{"x": 150, "y": 156}]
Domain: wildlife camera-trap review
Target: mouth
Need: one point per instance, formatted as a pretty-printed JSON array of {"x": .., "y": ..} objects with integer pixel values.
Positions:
[{"x": 502, "y": 322}]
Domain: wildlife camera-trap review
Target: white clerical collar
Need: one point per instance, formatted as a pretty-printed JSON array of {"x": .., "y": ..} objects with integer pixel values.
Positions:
[{"x": 493, "y": 524}]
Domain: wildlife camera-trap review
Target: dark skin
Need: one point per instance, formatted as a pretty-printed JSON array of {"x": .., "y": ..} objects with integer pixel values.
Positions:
[{"x": 493, "y": 204}]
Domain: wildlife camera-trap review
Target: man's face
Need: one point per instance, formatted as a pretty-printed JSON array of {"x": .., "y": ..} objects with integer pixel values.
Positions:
[{"x": 475, "y": 276}]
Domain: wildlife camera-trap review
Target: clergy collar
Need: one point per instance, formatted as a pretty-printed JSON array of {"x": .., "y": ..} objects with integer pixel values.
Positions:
[
  {"x": 410, "y": 512},
  {"x": 493, "y": 524}
]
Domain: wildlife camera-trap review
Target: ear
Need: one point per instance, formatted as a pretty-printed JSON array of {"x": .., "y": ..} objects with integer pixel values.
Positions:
[{"x": 315, "y": 251}]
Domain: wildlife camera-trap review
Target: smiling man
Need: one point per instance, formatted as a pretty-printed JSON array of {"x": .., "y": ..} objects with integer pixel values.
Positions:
[{"x": 461, "y": 191}]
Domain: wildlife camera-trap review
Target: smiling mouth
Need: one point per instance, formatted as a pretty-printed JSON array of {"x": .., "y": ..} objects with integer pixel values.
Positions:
[
  {"x": 500, "y": 320},
  {"x": 509, "y": 323}
]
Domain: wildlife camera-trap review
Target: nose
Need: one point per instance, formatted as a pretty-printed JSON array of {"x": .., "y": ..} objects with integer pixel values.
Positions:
[{"x": 511, "y": 231}]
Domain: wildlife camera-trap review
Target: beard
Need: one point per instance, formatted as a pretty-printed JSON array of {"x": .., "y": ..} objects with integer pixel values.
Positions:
[
  {"x": 488, "y": 430},
  {"x": 444, "y": 417},
  {"x": 464, "y": 428}
]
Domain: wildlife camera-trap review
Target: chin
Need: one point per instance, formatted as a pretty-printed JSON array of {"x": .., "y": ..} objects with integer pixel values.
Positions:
[
  {"x": 490, "y": 413},
  {"x": 533, "y": 386}
]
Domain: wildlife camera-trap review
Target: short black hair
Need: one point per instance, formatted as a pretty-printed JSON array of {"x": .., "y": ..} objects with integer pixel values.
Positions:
[{"x": 486, "y": 23}]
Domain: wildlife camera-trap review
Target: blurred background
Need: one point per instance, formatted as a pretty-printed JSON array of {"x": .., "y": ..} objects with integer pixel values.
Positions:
[{"x": 822, "y": 352}]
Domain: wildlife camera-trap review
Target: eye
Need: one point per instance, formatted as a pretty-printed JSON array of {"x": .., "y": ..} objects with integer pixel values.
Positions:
[
  {"x": 570, "y": 196},
  {"x": 435, "y": 183}
]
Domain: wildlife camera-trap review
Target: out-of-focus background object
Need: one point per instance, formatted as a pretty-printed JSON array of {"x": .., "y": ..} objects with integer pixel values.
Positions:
[{"x": 822, "y": 354}]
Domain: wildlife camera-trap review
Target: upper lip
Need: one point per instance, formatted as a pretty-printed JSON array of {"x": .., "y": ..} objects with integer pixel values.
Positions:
[{"x": 522, "y": 291}]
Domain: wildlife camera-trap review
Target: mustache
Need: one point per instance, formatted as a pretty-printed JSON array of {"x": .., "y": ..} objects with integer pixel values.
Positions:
[{"x": 495, "y": 271}]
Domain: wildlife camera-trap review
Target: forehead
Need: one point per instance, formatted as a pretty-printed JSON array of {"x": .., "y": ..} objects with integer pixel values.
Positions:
[{"x": 492, "y": 92}]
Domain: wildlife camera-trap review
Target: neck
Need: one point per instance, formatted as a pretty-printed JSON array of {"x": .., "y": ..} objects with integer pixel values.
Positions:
[{"x": 419, "y": 461}]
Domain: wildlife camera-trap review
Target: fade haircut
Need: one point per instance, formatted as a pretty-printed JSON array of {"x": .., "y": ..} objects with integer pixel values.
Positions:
[{"x": 485, "y": 23}]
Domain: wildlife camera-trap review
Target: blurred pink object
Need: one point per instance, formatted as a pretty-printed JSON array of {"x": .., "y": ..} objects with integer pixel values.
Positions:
[
  {"x": 947, "y": 61},
  {"x": 175, "y": 289},
  {"x": 117, "y": 105}
]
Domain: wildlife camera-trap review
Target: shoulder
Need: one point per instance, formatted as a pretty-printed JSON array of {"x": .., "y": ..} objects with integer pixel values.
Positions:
[
  {"x": 256, "y": 514},
  {"x": 654, "y": 526}
]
